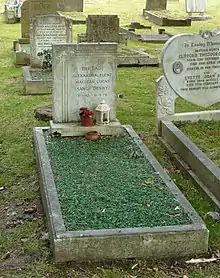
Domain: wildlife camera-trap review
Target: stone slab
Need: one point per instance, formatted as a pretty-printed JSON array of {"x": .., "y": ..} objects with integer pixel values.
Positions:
[
  {"x": 206, "y": 173},
  {"x": 136, "y": 57},
  {"x": 199, "y": 18},
  {"x": 33, "y": 86},
  {"x": 191, "y": 66},
  {"x": 115, "y": 244},
  {"x": 75, "y": 129},
  {"x": 43, "y": 113},
  {"x": 165, "y": 21}
]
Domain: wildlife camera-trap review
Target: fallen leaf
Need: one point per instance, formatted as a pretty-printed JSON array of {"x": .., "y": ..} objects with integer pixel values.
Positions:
[{"x": 135, "y": 265}]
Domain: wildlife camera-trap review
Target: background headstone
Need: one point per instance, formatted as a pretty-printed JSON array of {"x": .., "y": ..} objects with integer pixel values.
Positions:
[
  {"x": 83, "y": 75},
  {"x": 43, "y": 7},
  {"x": 44, "y": 31},
  {"x": 102, "y": 28},
  {"x": 25, "y": 19},
  {"x": 156, "y": 5},
  {"x": 195, "y": 6},
  {"x": 191, "y": 65}
]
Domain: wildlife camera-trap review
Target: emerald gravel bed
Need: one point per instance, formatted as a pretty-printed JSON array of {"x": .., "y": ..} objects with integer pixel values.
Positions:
[
  {"x": 41, "y": 75},
  {"x": 25, "y": 47},
  {"x": 110, "y": 184},
  {"x": 206, "y": 135}
]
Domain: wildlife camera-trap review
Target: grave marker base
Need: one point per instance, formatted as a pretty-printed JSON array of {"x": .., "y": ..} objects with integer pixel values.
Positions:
[
  {"x": 75, "y": 129},
  {"x": 34, "y": 86}
]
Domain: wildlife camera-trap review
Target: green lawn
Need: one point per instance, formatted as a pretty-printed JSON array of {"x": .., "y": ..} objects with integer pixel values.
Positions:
[{"x": 24, "y": 250}]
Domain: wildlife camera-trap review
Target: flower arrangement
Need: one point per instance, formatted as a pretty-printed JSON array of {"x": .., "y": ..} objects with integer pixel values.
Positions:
[
  {"x": 47, "y": 58},
  {"x": 86, "y": 116},
  {"x": 86, "y": 112}
]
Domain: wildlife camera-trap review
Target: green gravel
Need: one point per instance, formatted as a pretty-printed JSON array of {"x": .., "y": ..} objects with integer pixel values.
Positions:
[
  {"x": 43, "y": 75},
  {"x": 103, "y": 185},
  {"x": 25, "y": 47}
]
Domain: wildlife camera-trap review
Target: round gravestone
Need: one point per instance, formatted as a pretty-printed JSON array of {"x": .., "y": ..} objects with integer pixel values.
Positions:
[
  {"x": 44, "y": 113},
  {"x": 191, "y": 66}
]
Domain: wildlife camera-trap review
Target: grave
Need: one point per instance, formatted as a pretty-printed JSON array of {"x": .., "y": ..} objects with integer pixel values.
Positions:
[
  {"x": 105, "y": 28},
  {"x": 44, "y": 31},
  {"x": 148, "y": 217},
  {"x": 196, "y": 10},
  {"x": 32, "y": 8},
  {"x": 12, "y": 11},
  {"x": 191, "y": 67},
  {"x": 161, "y": 37},
  {"x": 155, "y": 12}
]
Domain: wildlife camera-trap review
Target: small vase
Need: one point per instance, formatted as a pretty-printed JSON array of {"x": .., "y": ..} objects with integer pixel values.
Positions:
[
  {"x": 93, "y": 135},
  {"x": 87, "y": 121}
]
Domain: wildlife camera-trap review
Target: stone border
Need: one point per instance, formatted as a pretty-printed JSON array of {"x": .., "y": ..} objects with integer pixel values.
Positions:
[
  {"x": 35, "y": 87},
  {"x": 144, "y": 59},
  {"x": 196, "y": 165},
  {"x": 151, "y": 38},
  {"x": 98, "y": 245},
  {"x": 165, "y": 21}
]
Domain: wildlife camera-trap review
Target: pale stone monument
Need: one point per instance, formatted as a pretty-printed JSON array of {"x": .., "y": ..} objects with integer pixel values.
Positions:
[
  {"x": 46, "y": 30},
  {"x": 196, "y": 7},
  {"x": 84, "y": 75},
  {"x": 191, "y": 67},
  {"x": 156, "y": 5}
]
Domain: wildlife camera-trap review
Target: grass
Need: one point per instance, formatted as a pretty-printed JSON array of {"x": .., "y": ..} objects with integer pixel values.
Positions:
[
  {"x": 22, "y": 234},
  {"x": 205, "y": 134}
]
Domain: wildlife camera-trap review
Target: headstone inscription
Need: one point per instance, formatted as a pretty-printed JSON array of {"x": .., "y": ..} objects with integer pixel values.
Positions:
[
  {"x": 156, "y": 5},
  {"x": 83, "y": 75},
  {"x": 44, "y": 31},
  {"x": 191, "y": 66}
]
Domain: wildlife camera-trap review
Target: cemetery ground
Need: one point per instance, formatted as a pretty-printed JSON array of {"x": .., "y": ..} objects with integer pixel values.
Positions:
[{"x": 24, "y": 244}]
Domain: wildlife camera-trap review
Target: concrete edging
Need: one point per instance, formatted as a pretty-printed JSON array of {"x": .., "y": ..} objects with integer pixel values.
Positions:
[
  {"x": 97, "y": 245},
  {"x": 204, "y": 173}
]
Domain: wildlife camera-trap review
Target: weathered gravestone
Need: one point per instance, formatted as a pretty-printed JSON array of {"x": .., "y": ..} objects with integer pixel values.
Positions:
[
  {"x": 196, "y": 7},
  {"x": 156, "y": 5},
  {"x": 25, "y": 19},
  {"x": 105, "y": 28},
  {"x": 102, "y": 28},
  {"x": 46, "y": 30},
  {"x": 191, "y": 65},
  {"x": 83, "y": 75}
]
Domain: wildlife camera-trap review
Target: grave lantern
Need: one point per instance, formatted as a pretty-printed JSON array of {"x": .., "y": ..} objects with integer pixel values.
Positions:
[{"x": 102, "y": 113}]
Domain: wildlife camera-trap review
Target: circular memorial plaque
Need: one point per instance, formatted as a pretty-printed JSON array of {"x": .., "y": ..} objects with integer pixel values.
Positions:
[{"x": 191, "y": 65}]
